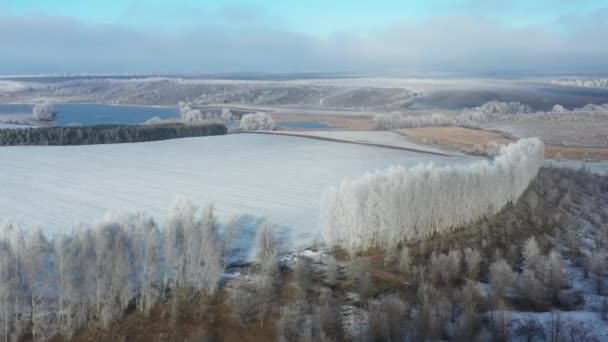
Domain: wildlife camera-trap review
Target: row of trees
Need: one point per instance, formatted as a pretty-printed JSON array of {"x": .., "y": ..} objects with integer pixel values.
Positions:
[
  {"x": 389, "y": 207},
  {"x": 191, "y": 116},
  {"x": 105, "y": 134},
  {"x": 54, "y": 286},
  {"x": 194, "y": 117},
  {"x": 490, "y": 111},
  {"x": 582, "y": 83}
]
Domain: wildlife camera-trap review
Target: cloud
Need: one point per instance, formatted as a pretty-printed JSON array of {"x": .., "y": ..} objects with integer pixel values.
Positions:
[{"x": 41, "y": 43}]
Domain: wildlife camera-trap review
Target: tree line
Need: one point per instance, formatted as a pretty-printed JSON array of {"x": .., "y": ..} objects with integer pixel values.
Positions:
[
  {"x": 104, "y": 134},
  {"x": 389, "y": 207},
  {"x": 53, "y": 286}
]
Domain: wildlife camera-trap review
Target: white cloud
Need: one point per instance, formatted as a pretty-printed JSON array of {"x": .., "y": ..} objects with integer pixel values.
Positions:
[{"x": 39, "y": 43}]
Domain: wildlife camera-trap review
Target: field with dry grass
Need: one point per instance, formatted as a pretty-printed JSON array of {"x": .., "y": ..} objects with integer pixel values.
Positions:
[{"x": 465, "y": 139}]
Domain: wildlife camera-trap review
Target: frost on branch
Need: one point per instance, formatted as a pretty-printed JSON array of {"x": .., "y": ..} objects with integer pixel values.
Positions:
[
  {"x": 257, "y": 122},
  {"x": 44, "y": 111},
  {"x": 387, "y": 207},
  {"x": 56, "y": 286}
]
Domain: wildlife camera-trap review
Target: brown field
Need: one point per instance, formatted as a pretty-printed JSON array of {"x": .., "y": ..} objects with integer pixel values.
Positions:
[{"x": 465, "y": 138}]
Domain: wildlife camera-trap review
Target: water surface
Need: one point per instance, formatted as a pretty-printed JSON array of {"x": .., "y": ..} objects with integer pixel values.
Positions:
[{"x": 96, "y": 114}]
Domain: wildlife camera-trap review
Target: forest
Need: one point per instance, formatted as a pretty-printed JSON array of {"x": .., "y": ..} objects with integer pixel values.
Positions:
[
  {"x": 105, "y": 134},
  {"x": 520, "y": 254},
  {"x": 534, "y": 271}
]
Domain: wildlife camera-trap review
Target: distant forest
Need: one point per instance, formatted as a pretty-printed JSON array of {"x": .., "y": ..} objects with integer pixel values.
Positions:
[{"x": 104, "y": 134}]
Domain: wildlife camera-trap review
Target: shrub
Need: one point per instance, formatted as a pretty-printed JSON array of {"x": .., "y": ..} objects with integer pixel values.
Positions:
[
  {"x": 44, "y": 111},
  {"x": 257, "y": 122}
]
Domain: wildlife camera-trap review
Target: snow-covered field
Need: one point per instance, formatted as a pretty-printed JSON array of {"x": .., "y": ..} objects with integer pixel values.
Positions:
[
  {"x": 371, "y": 137},
  {"x": 279, "y": 178}
]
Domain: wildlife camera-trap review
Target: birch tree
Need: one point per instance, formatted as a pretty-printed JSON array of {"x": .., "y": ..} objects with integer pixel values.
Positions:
[{"x": 386, "y": 208}]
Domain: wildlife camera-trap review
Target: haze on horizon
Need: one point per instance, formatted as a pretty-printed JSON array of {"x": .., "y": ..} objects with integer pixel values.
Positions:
[{"x": 161, "y": 36}]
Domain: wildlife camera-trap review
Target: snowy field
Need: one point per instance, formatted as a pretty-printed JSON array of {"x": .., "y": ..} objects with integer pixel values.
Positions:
[
  {"x": 279, "y": 178},
  {"x": 371, "y": 137}
]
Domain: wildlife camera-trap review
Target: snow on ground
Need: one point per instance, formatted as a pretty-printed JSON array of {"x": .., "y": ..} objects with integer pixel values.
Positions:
[
  {"x": 371, "y": 137},
  {"x": 279, "y": 178}
]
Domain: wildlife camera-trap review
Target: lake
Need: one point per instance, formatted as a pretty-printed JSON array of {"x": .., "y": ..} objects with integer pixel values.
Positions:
[{"x": 96, "y": 114}]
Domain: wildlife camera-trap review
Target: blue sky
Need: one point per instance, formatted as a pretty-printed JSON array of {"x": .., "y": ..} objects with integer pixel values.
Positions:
[
  {"x": 311, "y": 35},
  {"x": 317, "y": 17}
]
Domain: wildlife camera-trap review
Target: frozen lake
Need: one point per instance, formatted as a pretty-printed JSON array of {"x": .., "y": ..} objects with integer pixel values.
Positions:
[{"x": 279, "y": 178}]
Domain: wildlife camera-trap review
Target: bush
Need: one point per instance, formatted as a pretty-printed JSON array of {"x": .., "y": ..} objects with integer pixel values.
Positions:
[
  {"x": 44, "y": 111},
  {"x": 257, "y": 122}
]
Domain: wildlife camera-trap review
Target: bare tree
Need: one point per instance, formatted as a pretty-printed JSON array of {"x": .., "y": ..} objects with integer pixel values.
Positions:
[
  {"x": 405, "y": 260},
  {"x": 332, "y": 271},
  {"x": 267, "y": 256},
  {"x": 244, "y": 304}
]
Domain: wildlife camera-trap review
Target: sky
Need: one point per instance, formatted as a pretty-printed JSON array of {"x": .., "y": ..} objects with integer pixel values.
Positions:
[{"x": 180, "y": 36}]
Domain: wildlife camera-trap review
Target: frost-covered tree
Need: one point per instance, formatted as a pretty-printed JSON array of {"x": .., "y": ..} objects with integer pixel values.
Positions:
[
  {"x": 115, "y": 285},
  {"x": 70, "y": 261},
  {"x": 472, "y": 263},
  {"x": 532, "y": 255},
  {"x": 597, "y": 263},
  {"x": 405, "y": 260},
  {"x": 56, "y": 286},
  {"x": 8, "y": 289},
  {"x": 37, "y": 265},
  {"x": 553, "y": 272},
  {"x": 257, "y": 122},
  {"x": 558, "y": 109},
  {"x": 502, "y": 278},
  {"x": 386, "y": 208},
  {"x": 533, "y": 289},
  {"x": 267, "y": 251},
  {"x": 226, "y": 115},
  {"x": 44, "y": 111},
  {"x": 191, "y": 116}
]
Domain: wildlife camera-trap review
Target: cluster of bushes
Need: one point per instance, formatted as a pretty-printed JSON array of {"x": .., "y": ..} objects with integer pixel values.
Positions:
[
  {"x": 104, "y": 134},
  {"x": 257, "y": 122}
]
